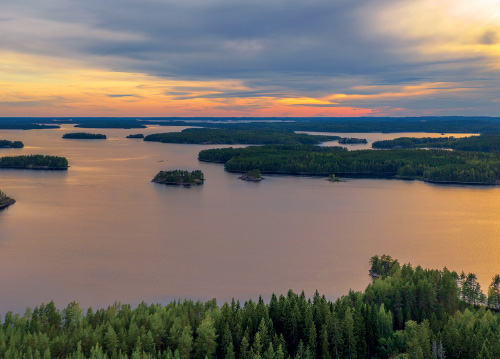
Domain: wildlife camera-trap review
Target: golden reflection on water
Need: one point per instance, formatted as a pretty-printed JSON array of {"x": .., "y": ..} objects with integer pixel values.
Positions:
[{"x": 102, "y": 231}]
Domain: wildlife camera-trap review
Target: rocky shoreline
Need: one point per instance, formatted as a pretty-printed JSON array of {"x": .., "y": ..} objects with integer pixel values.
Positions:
[
  {"x": 6, "y": 202},
  {"x": 247, "y": 177}
]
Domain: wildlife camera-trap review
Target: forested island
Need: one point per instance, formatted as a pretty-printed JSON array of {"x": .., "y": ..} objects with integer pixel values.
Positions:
[
  {"x": 434, "y": 124},
  {"x": 84, "y": 136},
  {"x": 428, "y": 165},
  {"x": 253, "y": 176},
  {"x": 109, "y": 123},
  {"x": 407, "y": 313},
  {"x": 483, "y": 143},
  {"x": 233, "y": 136},
  {"x": 25, "y": 124},
  {"x": 137, "y": 135},
  {"x": 35, "y": 162},
  {"x": 431, "y": 124},
  {"x": 179, "y": 177},
  {"x": 352, "y": 141},
  {"x": 11, "y": 144},
  {"x": 5, "y": 201}
]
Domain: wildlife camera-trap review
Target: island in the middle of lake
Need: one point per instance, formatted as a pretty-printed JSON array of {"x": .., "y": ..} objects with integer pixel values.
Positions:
[
  {"x": 84, "y": 136},
  {"x": 179, "y": 177}
]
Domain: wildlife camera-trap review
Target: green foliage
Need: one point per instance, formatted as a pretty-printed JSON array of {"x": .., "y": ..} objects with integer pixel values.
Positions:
[
  {"x": 231, "y": 136},
  {"x": 333, "y": 178},
  {"x": 255, "y": 173},
  {"x": 179, "y": 177},
  {"x": 34, "y": 162},
  {"x": 429, "y": 165},
  {"x": 494, "y": 292},
  {"x": 5, "y": 200},
  {"x": 436, "y": 323},
  {"x": 483, "y": 143},
  {"x": 11, "y": 144},
  {"x": 84, "y": 136},
  {"x": 3, "y": 196},
  {"x": 383, "y": 266}
]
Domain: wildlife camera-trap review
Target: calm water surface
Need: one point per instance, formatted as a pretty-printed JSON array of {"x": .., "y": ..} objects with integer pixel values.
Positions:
[{"x": 102, "y": 231}]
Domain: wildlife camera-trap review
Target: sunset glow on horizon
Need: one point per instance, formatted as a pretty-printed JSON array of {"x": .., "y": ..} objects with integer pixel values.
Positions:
[{"x": 214, "y": 58}]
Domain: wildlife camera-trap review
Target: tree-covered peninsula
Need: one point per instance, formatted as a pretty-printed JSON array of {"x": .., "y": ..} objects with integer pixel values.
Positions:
[
  {"x": 483, "y": 143},
  {"x": 428, "y": 165},
  {"x": 5, "y": 201},
  {"x": 11, "y": 144},
  {"x": 35, "y": 162},
  {"x": 406, "y": 313},
  {"x": 84, "y": 136},
  {"x": 179, "y": 177},
  {"x": 233, "y": 136}
]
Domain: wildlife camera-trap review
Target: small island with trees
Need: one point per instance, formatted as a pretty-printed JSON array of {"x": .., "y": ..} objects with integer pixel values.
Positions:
[
  {"x": 179, "y": 178},
  {"x": 333, "y": 178},
  {"x": 137, "y": 135},
  {"x": 5, "y": 201},
  {"x": 34, "y": 162},
  {"x": 352, "y": 141},
  {"x": 84, "y": 136},
  {"x": 11, "y": 144},
  {"x": 252, "y": 176}
]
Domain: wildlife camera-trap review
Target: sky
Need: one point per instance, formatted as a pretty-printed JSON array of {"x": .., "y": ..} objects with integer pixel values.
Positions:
[{"x": 249, "y": 58}]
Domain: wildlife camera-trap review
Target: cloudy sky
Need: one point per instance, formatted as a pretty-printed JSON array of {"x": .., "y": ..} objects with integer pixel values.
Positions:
[{"x": 249, "y": 58}]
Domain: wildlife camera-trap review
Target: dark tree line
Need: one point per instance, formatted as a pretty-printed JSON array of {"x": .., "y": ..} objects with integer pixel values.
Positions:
[
  {"x": 84, "y": 136},
  {"x": 483, "y": 143},
  {"x": 11, "y": 144},
  {"x": 234, "y": 136},
  {"x": 409, "y": 312},
  {"x": 352, "y": 141},
  {"x": 428, "y": 165},
  {"x": 34, "y": 162},
  {"x": 450, "y": 124}
]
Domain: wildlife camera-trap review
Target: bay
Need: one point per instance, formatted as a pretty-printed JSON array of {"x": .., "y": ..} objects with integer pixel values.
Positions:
[{"x": 101, "y": 231}]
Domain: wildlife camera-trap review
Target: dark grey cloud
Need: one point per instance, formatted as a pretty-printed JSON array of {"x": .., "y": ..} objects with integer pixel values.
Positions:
[
  {"x": 121, "y": 95},
  {"x": 489, "y": 37},
  {"x": 245, "y": 94},
  {"x": 275, "y": 47}
]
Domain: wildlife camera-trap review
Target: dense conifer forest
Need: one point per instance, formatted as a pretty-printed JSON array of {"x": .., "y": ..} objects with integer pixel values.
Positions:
[
  {"x": 84, "y": 136},
  {"x": 34, "y": 162},
  {"x": 11, "y": 144},
  {"x": 428, "y": 165},
  {"x": 229, "y": 136},
  {"x": 179, "y": 177},
  {"x": 408, "y": 312},
  {"x": 484, "y": 143}
]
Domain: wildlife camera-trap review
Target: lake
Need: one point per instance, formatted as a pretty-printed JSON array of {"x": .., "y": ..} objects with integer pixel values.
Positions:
[{"x": 102, "y": 231}]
